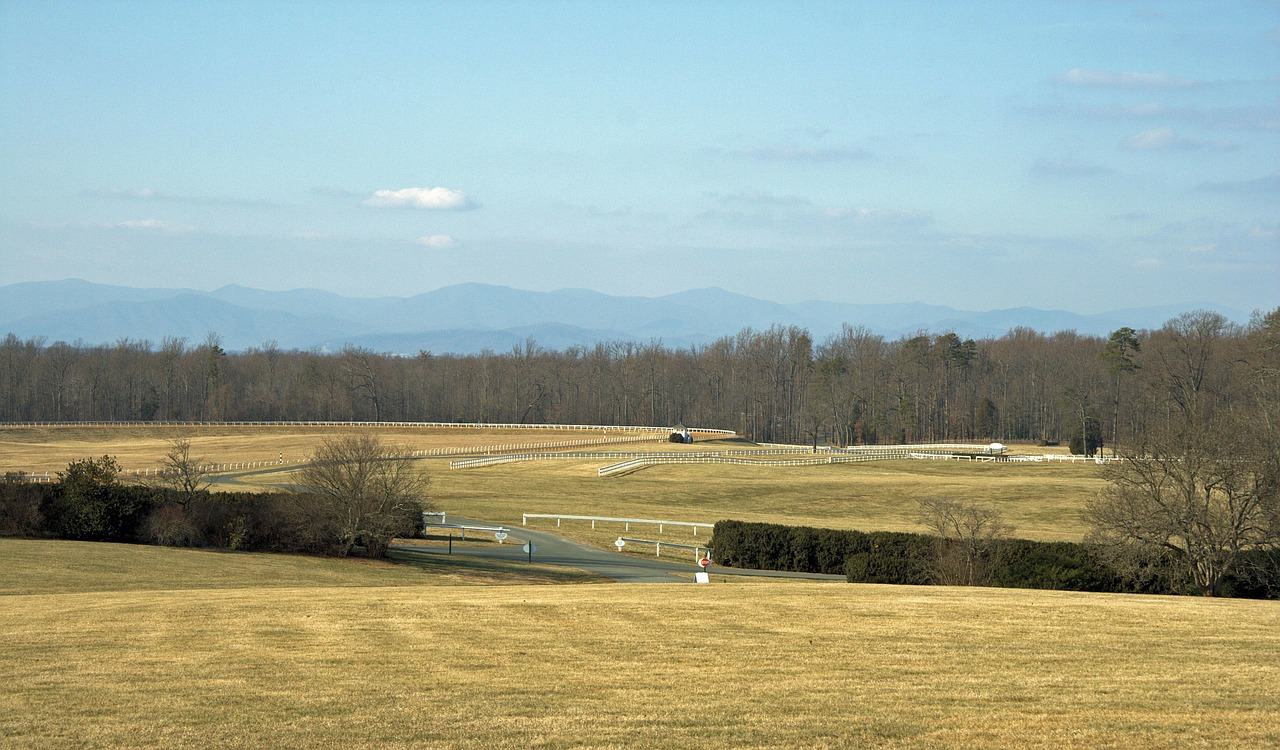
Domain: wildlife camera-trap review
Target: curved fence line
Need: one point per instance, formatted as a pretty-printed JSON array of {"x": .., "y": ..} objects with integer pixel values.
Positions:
[
  {"x": 472, "y": 463},
  {"x": 887, "y": 453},
  {"x": 334, "y": 423}
]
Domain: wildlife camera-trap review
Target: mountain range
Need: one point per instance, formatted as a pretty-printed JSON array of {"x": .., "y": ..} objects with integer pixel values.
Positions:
[{"x": 470, "y": 318}]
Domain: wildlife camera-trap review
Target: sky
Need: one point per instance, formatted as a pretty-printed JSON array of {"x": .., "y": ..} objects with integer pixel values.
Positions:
[{"x": 1085, "y": 155}]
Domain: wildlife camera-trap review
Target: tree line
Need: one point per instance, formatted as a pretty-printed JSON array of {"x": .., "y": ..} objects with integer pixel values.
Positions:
[{"x": 775, "y": 385}]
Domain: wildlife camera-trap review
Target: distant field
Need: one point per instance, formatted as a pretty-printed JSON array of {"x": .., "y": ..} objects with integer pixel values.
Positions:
[
  {"x": 308, "y": 664},
  {"x": 1042, "y": 501},
  {"x": 40, "y": 449}
]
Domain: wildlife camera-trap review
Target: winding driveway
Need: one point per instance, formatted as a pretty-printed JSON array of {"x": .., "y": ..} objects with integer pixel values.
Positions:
[{"x": 551, "y": 549}]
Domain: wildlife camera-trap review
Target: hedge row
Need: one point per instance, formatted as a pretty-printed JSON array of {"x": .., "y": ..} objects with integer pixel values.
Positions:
[
  {"x": 895, "y": 557},
  {"x": 263, "y": 522}
]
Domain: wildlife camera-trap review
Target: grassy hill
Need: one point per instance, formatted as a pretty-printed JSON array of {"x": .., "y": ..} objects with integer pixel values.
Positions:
[{"x": 312, "y": 655}]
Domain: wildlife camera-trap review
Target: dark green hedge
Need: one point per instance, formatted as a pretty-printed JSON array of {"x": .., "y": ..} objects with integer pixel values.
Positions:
[{"x": 893, "y": 557}]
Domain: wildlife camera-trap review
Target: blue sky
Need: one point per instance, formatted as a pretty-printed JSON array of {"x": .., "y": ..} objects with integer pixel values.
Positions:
[{"x": 1079, "y": 155}]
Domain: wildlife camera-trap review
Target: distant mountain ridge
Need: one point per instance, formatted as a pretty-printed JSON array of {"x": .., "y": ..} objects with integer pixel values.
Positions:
[{"x": 469, "y": 318}]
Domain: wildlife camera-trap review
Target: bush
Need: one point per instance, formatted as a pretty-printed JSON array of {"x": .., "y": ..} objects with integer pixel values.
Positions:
[
  {"x": 894, "y": 557},
  {"x": 20, "y": 504},
  {"x": 171, "y": 526},
  {"x": 89, "y": 503},
  {"x": 1053, "y": 565}
]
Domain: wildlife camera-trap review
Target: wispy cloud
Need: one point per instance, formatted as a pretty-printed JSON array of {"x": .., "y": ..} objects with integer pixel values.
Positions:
[
  {"x": 1229, "y": 118},
  {"x": 864, "y": 213},
  {"x": 797, "y": 154},
  {"x": 149, "y": 194},
  {"x": 1109, "y": 79},
  {"x": 329, "y": 191},
  {"x": 428, "y": 198},
  {"x": 1268, "y": 185},
  {"x": 435, "y": 241},
  {"x": 151, "y": 224},
  {"x": 1067, "y": 168},
  {"x": 1166, "y": 139},
  {"x": 759, "y": 198}
]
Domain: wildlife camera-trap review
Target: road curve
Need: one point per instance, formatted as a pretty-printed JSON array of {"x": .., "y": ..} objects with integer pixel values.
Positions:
[{"x": 551, "y": 549}]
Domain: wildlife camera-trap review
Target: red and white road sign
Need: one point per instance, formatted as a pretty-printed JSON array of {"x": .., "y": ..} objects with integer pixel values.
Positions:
[{"x": 705, "y": 562}]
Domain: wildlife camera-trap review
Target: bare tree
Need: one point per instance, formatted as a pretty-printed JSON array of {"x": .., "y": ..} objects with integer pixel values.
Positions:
[
  {"x": 968, "y": 540},
  {"x": 185, "y": 474},
  {"x": 363, "y": 493},
  {"x": 1202, "y": 485},
  {"x": 1202, "y": 499}
]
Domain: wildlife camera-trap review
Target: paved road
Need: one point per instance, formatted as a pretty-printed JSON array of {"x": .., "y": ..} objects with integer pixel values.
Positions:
[{"x": 556, "y": 550}]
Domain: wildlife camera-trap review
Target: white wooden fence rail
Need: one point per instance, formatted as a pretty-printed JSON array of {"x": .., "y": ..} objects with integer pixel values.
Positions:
[
  {"x": 626, "y": 521},
  {"x": 697, "y": 548}
]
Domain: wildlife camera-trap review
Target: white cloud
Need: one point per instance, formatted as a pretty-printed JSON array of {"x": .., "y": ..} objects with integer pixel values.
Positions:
[
  {"x": 145, "y": 193},
  {"x": 796, "y": 154},
  {"x": 436, "y": 241},
  {"x": 431, "y": 198},
  {"x": 154, "y": 224},
  {"x": 1109, "y": 79},
  {"x": 871, "y": 214},
  {"x": 1160, "y": 139},
  {"x": 1152, "y": 140}
]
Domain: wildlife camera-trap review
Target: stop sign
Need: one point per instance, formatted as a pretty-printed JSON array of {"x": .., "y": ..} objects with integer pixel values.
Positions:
[{"x": 705, "y": 562}]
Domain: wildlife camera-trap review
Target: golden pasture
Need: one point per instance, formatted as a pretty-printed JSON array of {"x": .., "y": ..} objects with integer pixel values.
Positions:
[
  {"x": 345, "y": 663},
  {"x": 128, "y": 646},
  {"x": 1042, "y": 501}
]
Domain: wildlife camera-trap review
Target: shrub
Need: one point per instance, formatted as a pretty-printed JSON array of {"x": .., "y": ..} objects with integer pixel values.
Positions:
[{"x": 20, "y": 503}]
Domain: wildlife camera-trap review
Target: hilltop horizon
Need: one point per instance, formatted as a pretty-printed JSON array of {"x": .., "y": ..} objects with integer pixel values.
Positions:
[{"x": 472, "y": 317}]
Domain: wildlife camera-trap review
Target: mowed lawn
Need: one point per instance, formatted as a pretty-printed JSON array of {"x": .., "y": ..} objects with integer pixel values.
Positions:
[{"x": 339, "y": 663}]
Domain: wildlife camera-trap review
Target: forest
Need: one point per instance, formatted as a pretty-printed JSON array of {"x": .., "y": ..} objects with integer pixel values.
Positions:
[{"x": 775, "y": 385}]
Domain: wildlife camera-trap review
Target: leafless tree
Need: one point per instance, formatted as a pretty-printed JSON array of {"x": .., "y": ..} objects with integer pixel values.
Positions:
[
  {"x": 363, "y": 493},
  {"x": 968, "y": 539},
  {"x": 1201, "y": 485},
  {"x": 186, "y": 475}
]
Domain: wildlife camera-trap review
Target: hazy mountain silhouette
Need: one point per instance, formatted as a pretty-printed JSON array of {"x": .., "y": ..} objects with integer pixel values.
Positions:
[{"x": 469, "y": 318}]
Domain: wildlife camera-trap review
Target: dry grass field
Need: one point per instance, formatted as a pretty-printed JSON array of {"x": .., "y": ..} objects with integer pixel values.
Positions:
[
  {"x": 1042, "y": 501},
  {"x": 29, "y": 566},
  {"x": 51, "y": 448},
  {"x": 323, "y": 660},
  {"x": 128, "y": 646}
]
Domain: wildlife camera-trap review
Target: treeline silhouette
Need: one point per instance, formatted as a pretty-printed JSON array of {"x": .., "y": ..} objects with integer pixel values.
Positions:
[{"x": 776, "y": 385}]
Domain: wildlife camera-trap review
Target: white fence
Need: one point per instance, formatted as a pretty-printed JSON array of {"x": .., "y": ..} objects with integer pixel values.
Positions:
[
  {"x": 625, "y": 521},
  {"x": 881, "y": 455},
  {"x": 471, "y": 463},
  {"x": 325, "y": 423},
  {"x": 698, "y": 549}
]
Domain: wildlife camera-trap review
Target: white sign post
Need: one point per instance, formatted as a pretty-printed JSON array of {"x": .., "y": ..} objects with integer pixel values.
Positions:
[
  {"x": 501, "y": 536},
  {"x": 620, "y": 543}
]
